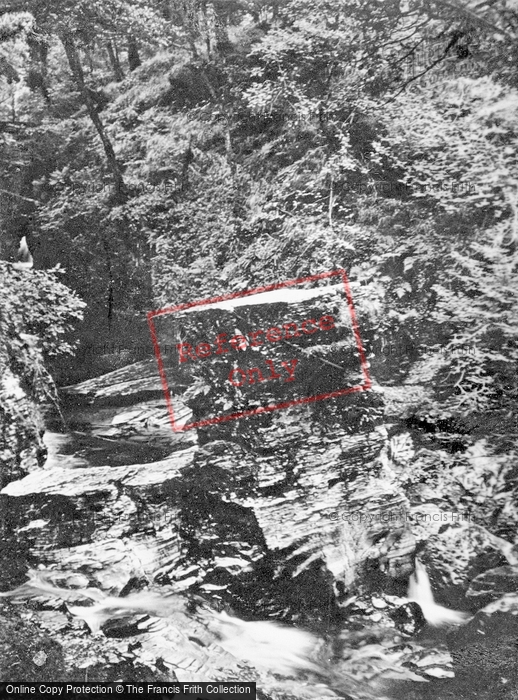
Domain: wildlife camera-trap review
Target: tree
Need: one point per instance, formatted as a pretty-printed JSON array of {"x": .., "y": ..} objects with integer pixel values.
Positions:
[
  {"x": 86, "y": 93},
  {"x": 80, "y": 22}
]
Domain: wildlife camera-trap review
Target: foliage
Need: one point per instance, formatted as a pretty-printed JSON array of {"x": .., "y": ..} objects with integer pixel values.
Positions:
[
  {"x": 262, "y": 141},
  {"x": 37, "y": 314},
  {"x": 38, "y": 304}
]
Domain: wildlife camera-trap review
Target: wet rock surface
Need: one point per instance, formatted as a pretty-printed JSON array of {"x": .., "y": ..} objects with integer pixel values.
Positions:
[
  {"x": 125, "y": 385},
  {"x": 204, "y": 521},
  {"x": 302, "y": 518},
  {"x": 21, "y": 445},
  {"x": 493, "y": 584}
]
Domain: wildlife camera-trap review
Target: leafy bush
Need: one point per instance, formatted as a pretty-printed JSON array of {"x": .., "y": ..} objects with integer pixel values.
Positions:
[{"x": 37, "y": 314}]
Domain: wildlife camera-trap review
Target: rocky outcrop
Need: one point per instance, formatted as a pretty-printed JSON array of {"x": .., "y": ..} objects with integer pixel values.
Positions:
[
  {"x": 210, "y": 506},
  {"x": 493, "y": 584},
  {"x": 288, "y": 515},
  {"x": 21, "y": 423},
  {"x": 213, "y": 515},
  {"x": 31, "y": 324},
  {"x": 21, "y": 430},
  {"x": 126, "y": 385}
]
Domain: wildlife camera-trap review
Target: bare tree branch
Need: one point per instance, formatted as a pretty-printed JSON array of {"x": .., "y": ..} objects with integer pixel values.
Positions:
[{"x": 14, "y": 194}]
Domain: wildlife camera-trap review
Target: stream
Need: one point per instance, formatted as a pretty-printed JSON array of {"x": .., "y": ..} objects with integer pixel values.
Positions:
[{"x": 149, "y": 554}]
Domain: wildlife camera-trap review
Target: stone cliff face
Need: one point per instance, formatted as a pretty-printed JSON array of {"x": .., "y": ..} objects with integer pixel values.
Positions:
[
  {"x": 36, "y": 311},
  {"x": 301, "y": 517},
  {"x": 303, "y": 501},
  {"x": 270, "y": 526},
  {"x": 21, "y": 423},
  {"x": 304, "y": 492}
]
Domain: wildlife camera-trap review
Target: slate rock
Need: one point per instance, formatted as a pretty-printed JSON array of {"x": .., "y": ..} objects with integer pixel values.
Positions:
[{"x": 492, "y": 584}]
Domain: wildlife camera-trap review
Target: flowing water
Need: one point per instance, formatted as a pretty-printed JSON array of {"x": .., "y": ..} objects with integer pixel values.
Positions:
[
  {"x": 333, "y": 662},
  {"x": 420, "y": 591}
]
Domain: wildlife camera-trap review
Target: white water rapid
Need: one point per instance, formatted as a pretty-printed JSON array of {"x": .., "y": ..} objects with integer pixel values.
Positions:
[{"x": 420, "y": 591}]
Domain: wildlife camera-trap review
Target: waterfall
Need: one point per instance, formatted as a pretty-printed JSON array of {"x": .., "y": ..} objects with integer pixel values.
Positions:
[
  {"x": 268, "y": 645},
  {"x": 420, "y": 591}
]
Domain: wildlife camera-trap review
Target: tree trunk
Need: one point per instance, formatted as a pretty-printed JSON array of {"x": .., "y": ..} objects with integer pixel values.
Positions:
[
  {"x": 37, "y": 74},
  {"x": 78, "y": 74},
  {"x": 187, "y": 160},
  {"x": 219, "y": 29},
  {"x": 88, "y": 53},
  {"x": 229, "y": 148},
  {"x": 114, "y": 61},
  {"x": 44, "y": 53},
  {"x": 133, "y": 54}
]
